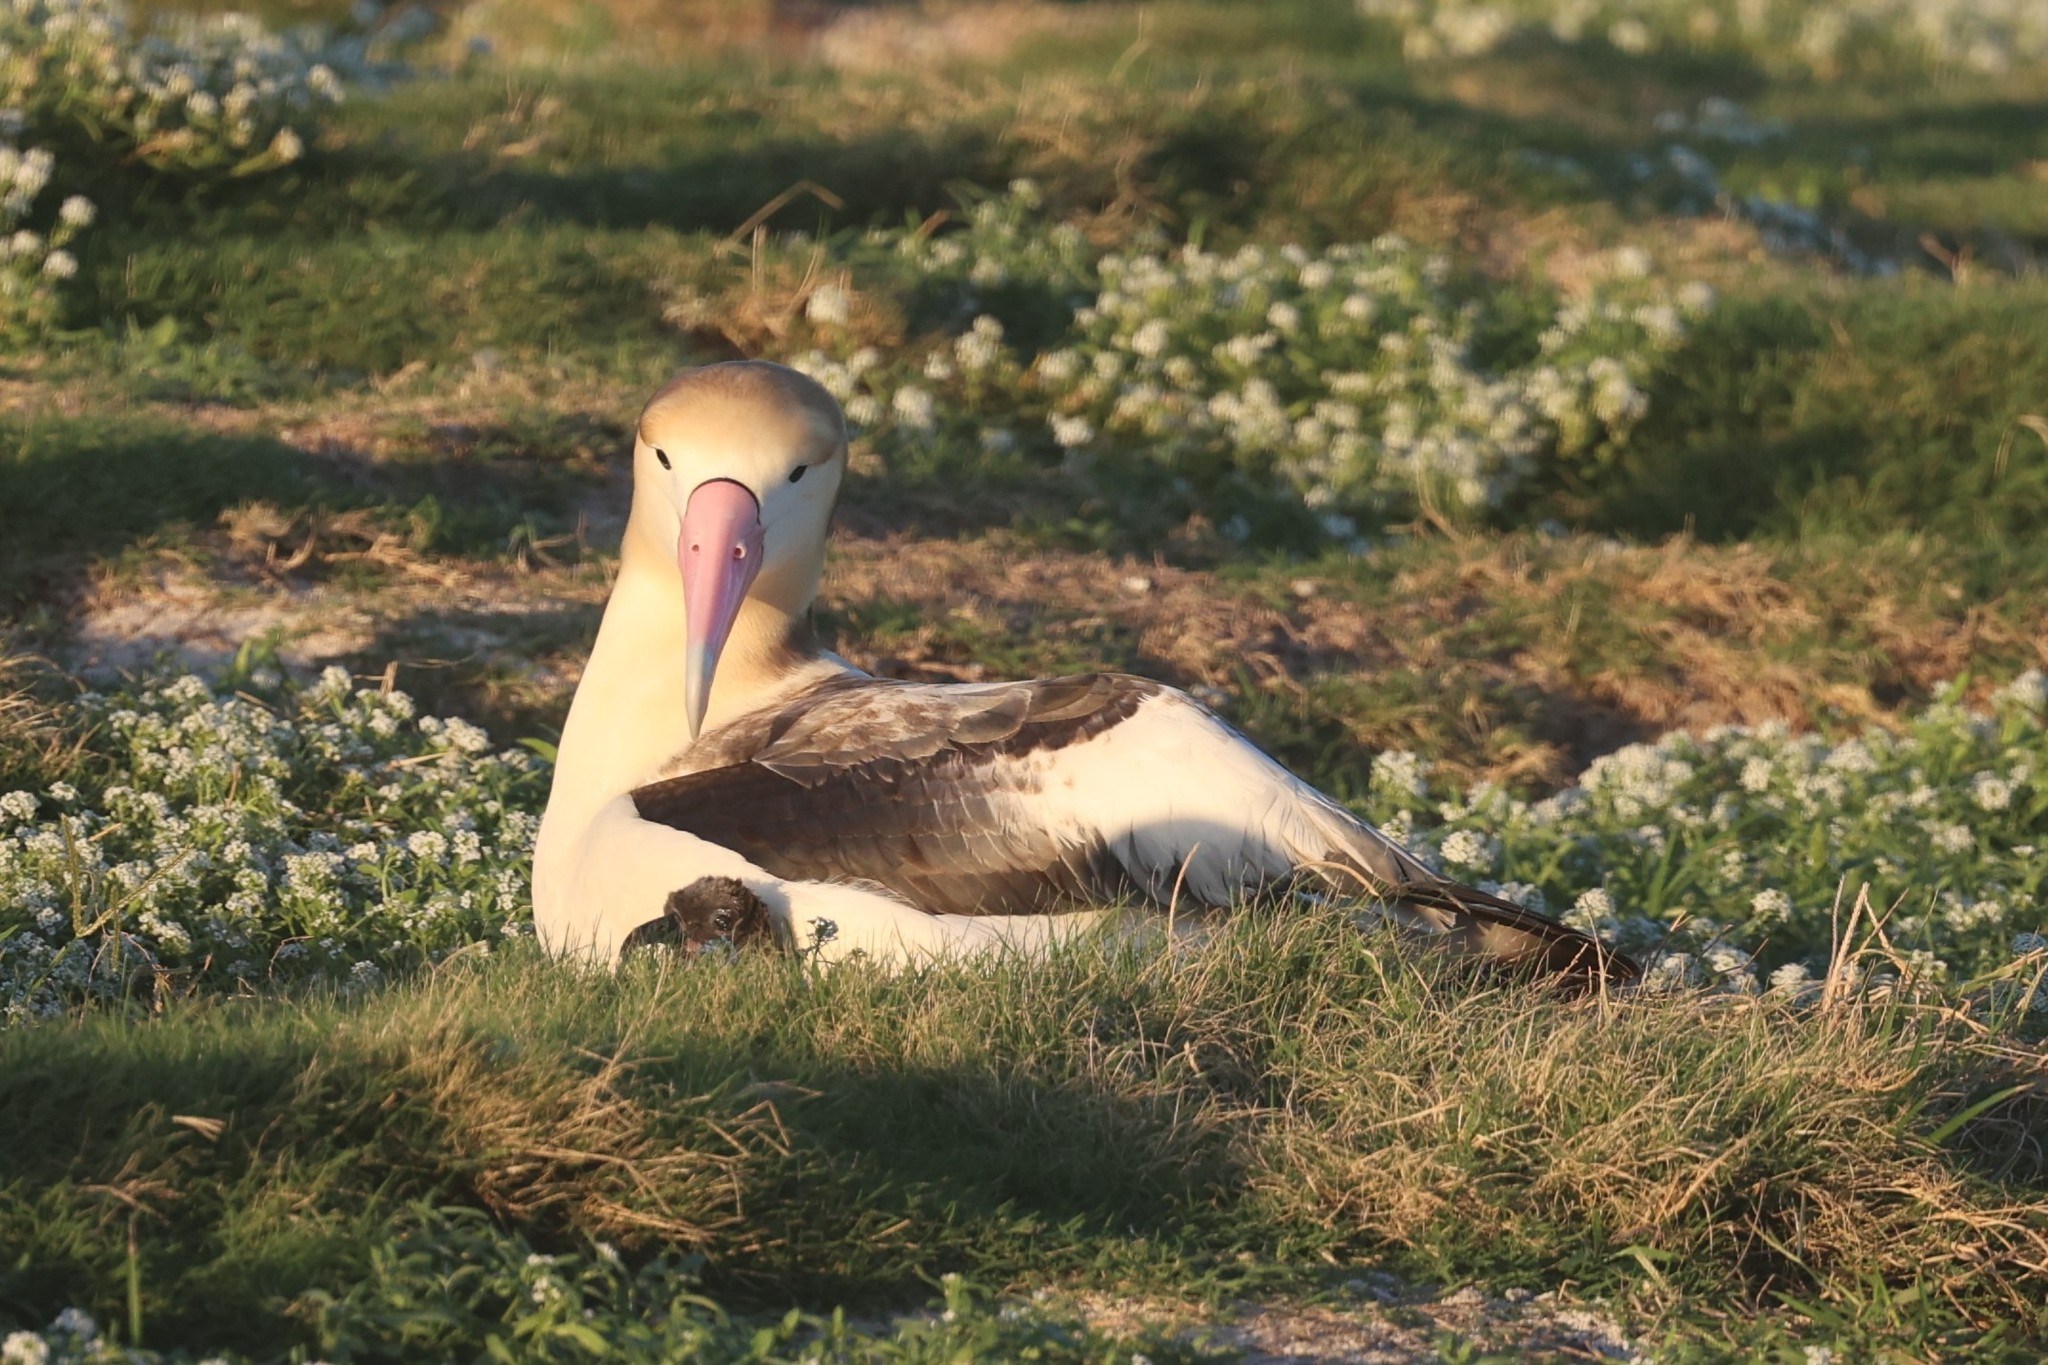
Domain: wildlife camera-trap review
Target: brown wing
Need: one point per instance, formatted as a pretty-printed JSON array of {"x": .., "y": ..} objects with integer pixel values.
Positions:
[{"x": 919, "y": 789}]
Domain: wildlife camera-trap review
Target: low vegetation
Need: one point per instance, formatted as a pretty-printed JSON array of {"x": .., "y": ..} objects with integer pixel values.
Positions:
[
  {"x": 1211, "y": 1121},
  {"x": 1604, "y": 443}
]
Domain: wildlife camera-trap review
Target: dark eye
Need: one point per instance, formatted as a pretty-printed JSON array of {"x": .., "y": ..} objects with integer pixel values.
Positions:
[
  {"x": 662, "y": 455},
  {"x": 798, "y": 472}
]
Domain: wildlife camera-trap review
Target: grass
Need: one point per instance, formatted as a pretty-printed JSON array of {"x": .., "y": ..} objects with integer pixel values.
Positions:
[
  {"x": 1207, "y": 1122},
  {"x": 390, "y": 384},
  {"x": 108, "y": 485},
  {"x": 99, "y": 485},
  {"x": 1815, "y": 416}
]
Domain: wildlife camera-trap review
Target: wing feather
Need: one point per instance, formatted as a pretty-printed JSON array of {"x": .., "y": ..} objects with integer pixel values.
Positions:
[
  {"x": 990, "y": 799},
  {"x": 914, "y": 788}
]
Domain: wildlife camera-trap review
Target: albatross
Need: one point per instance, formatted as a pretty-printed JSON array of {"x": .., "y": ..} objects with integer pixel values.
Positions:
[{"x": 721, "y": 775}]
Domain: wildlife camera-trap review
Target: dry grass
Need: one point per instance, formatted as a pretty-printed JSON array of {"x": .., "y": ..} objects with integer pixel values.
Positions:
[
  {"x": 865, "y": 38},
  {"x": 36, "y": 746},
  {"x": 550, "y": 1143},
  {"x": 1710, "y": 1133},
  {"x": 1594, "y": 642},
  {"x": 1284, "y": 1092}
]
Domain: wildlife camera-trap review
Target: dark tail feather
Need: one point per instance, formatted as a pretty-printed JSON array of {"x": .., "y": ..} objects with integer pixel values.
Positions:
[{"x": 1509, "y": 934}]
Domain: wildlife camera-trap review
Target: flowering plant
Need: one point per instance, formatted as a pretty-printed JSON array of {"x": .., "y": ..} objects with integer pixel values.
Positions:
[
  {"x": 333, "y": 833},
  {"x": 1365, "y": 379},
  {"x": 1755, "y": 841},
  {"x": 202, "y": 96},
  {"x": 1818, "y": 36},
  {"x": 216, "y": 96},
  {"x": 34, "y": 264}
]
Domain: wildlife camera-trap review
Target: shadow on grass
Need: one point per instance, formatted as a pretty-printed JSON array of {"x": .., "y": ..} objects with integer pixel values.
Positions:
[
  {"x": 1988, "y": 137},
  {"x": 801, "y": 1172},
  {"x": 1123, "y": 1117},
  {"x": 76, "y": 489}
]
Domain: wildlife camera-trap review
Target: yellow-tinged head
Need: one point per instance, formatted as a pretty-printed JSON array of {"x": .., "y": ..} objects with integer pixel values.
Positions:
[{"x": 735, "y": 471}]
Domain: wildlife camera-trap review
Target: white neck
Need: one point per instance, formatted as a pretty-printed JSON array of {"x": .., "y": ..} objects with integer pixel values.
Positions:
[{"x": 628, "y": 718}]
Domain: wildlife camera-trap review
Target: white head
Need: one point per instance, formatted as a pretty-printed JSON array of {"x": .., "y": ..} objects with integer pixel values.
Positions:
[{"x": 735, "y": 471}]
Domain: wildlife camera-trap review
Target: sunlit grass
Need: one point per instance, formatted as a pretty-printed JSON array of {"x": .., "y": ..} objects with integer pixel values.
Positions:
[
  {"x": 1123, "y": 1115},
  {"x": 406, "y": 360}
]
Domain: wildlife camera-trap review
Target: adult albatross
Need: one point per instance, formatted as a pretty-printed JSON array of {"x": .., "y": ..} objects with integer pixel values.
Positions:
[{"x": 721, "y": 774}]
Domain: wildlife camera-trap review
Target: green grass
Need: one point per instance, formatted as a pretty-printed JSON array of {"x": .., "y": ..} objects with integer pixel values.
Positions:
[
  {"x": 431, "y": 337},
  {"x": 97, "y": 485},
  {"x": 1196, "y": 1123},
  {"x": 105, "y": 485},
  {"x": 1851, "y": 407},
  {"x": 1876, "y": 411}
]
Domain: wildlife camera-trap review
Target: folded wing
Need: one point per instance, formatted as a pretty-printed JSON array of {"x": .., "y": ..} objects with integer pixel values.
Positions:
[
  {"x": 1035, "y": 797},
  {"x": 933, "y": 792}
]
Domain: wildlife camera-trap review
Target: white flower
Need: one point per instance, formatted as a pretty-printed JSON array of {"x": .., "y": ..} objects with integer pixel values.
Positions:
[
  {"x": 1467, "y": 849},
  {"x": 24, "y": 1348},
  {"x": 1590, "y": 908},
  {"x": 981, "y": 346},
  {"x": 287, "y": 145},
  {"x": 829, "y": 305},
  {"x": 1060, "y": 367},
  {"x": 1631, "y": 35},
  {"x": 1151, "y": 340},
  {"x": 76, "y": 1323},
  {"x": 60, "y": 265},
  {"x": 1771, "y": 906},
  {"x": 1990, "y": 791},
  {"x": 1246, "y": 350},
  {"x": 77, "y": 212},
  {"x": 915, "y": 408},
  {"x": 428, "y": 845},
  {"x": 1951, "y": 838},
  {"x": 1669, "y": 971},
  {"x": 2029, "y": 689},
  {"x": 1732, "y": 965},
  {"x": 324, "y": 83},
  {"x": 1632, "y": 263},
  {"x": 1523, "y": 894},
  {"x": 334, "y": 684},
  {"x": 1071, "y": 431},
  {"x": 1791, "y": 979},
  {"x": 1966, "y": 916},
  {"x": 1400, "y": 772},
  {"x": 467, "y": 738}
]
